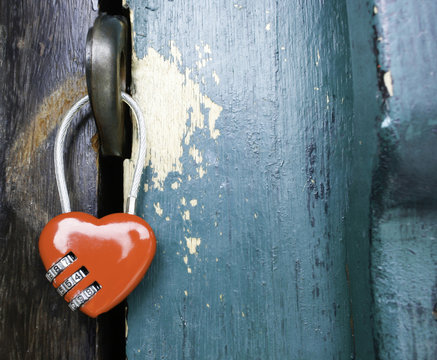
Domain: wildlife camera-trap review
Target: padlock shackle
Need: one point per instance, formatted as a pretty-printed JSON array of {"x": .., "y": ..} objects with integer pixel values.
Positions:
[
  {"x": 106, "y": 53},
  {"x": 59, "y": 153}
]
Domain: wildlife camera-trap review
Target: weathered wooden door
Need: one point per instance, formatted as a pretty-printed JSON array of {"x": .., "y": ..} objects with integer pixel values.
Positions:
[
  {"x": 289, "y": 179},
  {"x": 42, "y": 73}
]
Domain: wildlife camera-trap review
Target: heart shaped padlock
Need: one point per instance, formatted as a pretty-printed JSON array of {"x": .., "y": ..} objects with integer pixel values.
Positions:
[{"x": 95, "y": 263}]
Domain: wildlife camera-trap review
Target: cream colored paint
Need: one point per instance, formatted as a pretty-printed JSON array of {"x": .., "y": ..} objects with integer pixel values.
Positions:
[
  {"x": 175, "y": 185},
  {"x": 388, "y": 82},
  {"x": 196, "y": 154},
  {"x": 183, "y": 201},
  {"x": 201, "y": 171},
  {"x": 193, "y": 202},
  {"x": 172, "y": 104},
  {"x": 192, "y": 244},
  {"x": 158, "y": 209},
  {"x": 186, "y": 215},
  {"x": 216, "y": 77}
]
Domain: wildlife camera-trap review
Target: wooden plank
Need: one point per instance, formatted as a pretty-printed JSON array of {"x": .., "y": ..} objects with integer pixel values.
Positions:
[
  {"x": 403, "y": 253},
  {"x": 248, "y": 107},
  {"x": 357, "y": 222},
  {"x": 42, "y": 47}
]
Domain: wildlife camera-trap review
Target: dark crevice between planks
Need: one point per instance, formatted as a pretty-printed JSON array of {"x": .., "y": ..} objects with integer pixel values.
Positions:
[{"x": 111, "y": 326}]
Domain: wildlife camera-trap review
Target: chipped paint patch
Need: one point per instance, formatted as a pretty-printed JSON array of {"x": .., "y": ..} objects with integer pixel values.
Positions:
[
  {"x": 388, "y": 82},
  {"x": 193, "y": 202},
  {"x": 186, "y": 292},
  {"x": 386, "y": 123},
  {"x": 196, "y": 154},
  {"x": 192, "y": 244},
  {"x": 207, "y": 49},
  {"x": 175, "y": 185},
  {"x": 201, "y": 171},
  {"x": 268, "y": 27},
  {"x": 172, "y": 103},
  {"x": 158, "y": 209},
  {"x": 183, "y": 201},
  {"x": 186, "y": 259},
  {"x": 186, "y": 215},
  {"x": 216, "y": 77}
]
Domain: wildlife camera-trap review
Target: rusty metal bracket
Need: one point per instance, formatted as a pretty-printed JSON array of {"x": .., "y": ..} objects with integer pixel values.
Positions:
[{"x": 106, "y": 78}]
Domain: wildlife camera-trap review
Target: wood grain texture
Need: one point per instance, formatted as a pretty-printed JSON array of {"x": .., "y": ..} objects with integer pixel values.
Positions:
[
  {"x": 366, "y": 113},
  {"x": 251, "y": 260},
  {"x": 403, "y": 256},
  {"x": 42, "y": 47}
]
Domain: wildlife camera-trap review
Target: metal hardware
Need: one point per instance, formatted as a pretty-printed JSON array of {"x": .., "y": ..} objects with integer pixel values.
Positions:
[
  {"x": 72, "y": 281},
  {"x": 60, "y": 266},
  {"x": 84, "y": 296},
  {"x": 106, "y": 50}
]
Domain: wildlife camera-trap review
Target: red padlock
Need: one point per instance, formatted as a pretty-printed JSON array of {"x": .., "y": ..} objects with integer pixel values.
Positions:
[{"x": 95, "y": 263}]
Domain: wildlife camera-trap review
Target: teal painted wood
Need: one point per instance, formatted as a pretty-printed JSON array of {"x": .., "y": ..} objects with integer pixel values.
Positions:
[
  {"x": 403, "y": 258},
  {"x": 268, "y": 276},
  {"x": 366, "y": 112}
]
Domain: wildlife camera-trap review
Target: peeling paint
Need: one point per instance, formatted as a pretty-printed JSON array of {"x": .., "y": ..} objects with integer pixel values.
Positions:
[
  {"x": 388, "y": 82},
  {"x": 186, "y": 215},
  {"x": 193, "y": 202},
  {"x": 216, "y": 77},
  {"x": 192, "y": 244},
  {"x": 175, "y": 185},
  {"x": 183, "y": 201},
  {"x": 172, "y": 105},
  {"x": 158, "y": 209},
  {"x": 196, "y": 154},
  {"x": 201, "y": 171}
]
